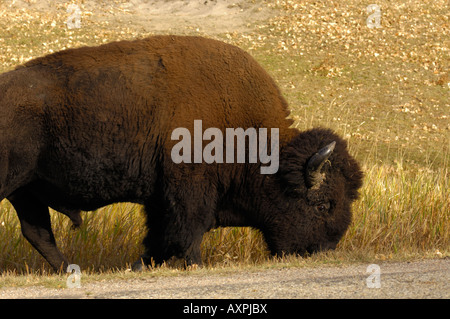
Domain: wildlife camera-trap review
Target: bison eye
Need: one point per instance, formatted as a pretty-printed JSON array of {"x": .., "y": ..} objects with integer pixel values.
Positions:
[{"x": 323, "y": 207}]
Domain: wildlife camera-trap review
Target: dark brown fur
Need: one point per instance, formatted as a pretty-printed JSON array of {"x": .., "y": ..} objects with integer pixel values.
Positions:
[{"x": 87, "y": 127}]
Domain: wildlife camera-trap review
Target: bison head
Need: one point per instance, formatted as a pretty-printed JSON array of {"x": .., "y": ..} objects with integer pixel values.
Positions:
[{"x": 307, "y": 208}]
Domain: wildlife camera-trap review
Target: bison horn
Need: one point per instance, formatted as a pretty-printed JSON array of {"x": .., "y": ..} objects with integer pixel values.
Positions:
[{"x": 313, "y": 175}]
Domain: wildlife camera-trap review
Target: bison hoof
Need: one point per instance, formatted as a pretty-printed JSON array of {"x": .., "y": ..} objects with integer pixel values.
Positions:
[{"x": 138, "y": 266}]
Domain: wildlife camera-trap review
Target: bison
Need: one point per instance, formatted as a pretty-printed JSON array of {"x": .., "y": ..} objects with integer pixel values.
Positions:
[{"x": 87, "y": 127}]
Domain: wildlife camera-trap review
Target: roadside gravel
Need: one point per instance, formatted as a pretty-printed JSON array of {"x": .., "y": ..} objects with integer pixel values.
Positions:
[{"x": 419, "y": 279}]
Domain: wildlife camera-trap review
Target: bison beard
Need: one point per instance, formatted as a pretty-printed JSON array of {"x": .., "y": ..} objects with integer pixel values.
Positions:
[{"x": 87, "y": 127}]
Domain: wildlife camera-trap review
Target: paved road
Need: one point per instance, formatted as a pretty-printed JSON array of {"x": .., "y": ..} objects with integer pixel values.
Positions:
[{"x": 421, "y": 279}]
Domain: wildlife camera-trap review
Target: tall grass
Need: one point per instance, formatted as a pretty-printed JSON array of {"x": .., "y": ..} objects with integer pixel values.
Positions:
[
  {"x": 400, "y": 212},
  {"x": 109, "y": 237}
]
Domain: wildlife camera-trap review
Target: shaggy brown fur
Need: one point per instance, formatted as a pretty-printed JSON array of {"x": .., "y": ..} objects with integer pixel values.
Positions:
[{"x": 87, "y": 127}]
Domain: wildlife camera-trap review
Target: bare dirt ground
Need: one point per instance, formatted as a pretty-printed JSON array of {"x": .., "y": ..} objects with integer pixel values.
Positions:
[
  {"x": 420, "y": 279},
  {"x": 212, "y": 16},
  {"x": 166, "y": 16}
]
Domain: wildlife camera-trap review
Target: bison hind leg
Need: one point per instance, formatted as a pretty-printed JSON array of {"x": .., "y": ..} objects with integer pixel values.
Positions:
[{"x": 35, "y": 222}]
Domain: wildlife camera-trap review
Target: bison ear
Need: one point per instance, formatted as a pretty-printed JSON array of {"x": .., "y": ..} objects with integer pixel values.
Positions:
[{"x": 313, "y": 176}]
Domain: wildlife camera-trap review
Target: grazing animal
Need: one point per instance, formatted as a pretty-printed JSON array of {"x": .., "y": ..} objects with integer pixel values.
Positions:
[{"x": 87, "y": 127}]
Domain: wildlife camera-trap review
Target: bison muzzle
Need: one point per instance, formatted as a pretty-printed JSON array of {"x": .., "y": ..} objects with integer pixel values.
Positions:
[{"x": 88, "y": 127}]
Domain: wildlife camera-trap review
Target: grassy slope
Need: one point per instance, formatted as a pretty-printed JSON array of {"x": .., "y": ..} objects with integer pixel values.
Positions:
[{"x": 386, "y": 90}]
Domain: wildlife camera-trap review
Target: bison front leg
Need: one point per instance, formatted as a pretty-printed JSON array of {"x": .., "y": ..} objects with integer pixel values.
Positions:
[
  {"x": 175, "y": 229},
  {"x": 169, "y": 237},
  {"x": 34, "y": 220}
]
